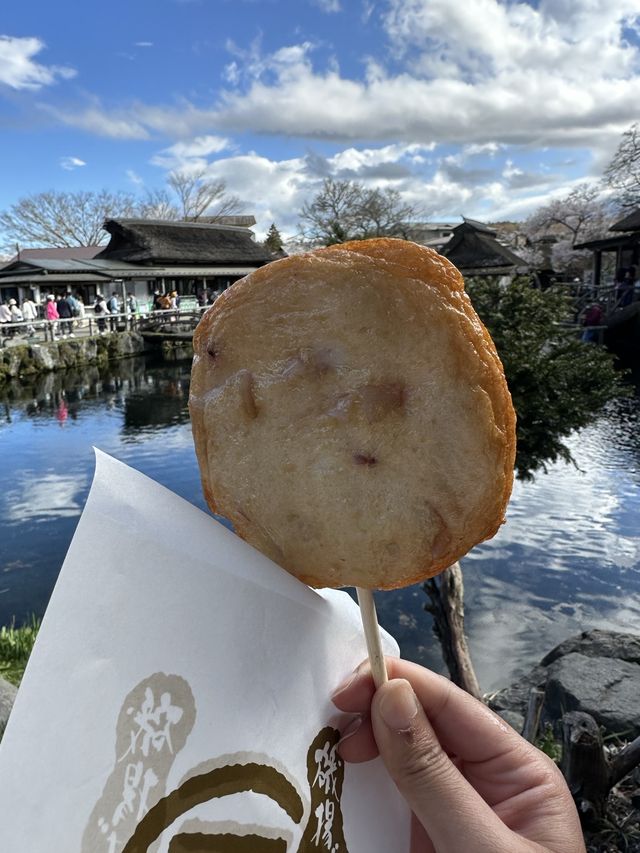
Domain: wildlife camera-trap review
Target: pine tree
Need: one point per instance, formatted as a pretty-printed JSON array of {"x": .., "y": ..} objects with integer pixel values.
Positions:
[
  {"x": 558, "y": 384},
  {"x": 273, "y": 241}
]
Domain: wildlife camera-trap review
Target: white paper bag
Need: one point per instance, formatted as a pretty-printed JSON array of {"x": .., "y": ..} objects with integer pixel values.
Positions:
[{"x": 179, "y": 690}]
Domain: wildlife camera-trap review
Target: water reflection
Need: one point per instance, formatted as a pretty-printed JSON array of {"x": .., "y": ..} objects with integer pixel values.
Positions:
[
  {"x": 150, "y": 396},
  {"x": 568, "y": 557},
  {"x": 134, "y": 409},
  {"x": 159, "y": 404},
  {"x": 51, "y": 496}
]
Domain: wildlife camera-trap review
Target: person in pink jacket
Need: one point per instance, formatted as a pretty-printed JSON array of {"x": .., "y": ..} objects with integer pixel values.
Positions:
[{"x": 51, "y": 313}]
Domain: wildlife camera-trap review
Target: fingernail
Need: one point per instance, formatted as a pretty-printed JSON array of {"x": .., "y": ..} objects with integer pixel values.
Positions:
[
  {"x": 398, "y": 706},
  {"x": 350, "y": 729}
]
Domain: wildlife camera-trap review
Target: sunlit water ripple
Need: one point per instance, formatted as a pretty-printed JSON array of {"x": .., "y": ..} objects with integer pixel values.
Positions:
[{"x": 568, "y": 557}]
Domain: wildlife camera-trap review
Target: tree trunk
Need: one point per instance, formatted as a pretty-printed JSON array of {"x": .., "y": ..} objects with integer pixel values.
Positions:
[
  {"x": 590, "y": 776},
  {"x": 447, "y": 608},
  {"x": 532, "y": 718},
  {"x": 584, "y": 764}
]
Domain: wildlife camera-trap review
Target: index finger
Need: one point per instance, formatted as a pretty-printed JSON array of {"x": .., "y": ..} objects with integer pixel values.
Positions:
[{"x": 463, "y": 725}]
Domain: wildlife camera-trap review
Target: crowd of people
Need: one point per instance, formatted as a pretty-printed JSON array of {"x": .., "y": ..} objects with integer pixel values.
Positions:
[{"x": 66, "y": 312}]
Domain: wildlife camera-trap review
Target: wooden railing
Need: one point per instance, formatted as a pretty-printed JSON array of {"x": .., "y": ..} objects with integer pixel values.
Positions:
[{"x": 41, "y": 331}]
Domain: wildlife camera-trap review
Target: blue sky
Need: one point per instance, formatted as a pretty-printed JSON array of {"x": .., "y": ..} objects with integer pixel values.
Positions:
[{"x": 482, "y": 108}]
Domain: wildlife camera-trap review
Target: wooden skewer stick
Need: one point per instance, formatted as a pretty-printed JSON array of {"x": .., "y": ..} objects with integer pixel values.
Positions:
[{"x": 372, "y": 635}]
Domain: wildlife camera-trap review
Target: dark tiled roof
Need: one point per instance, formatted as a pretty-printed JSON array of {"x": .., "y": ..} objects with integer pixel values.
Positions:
[
  {"x": 476, "y": 250},
  {"x": 621, "y": 241},
  {"x": 64, "y": 253},
  {"x": 474, "y": 225},
  {"x": 146, "y": 241},
  {"x": 629, "y": 223}
]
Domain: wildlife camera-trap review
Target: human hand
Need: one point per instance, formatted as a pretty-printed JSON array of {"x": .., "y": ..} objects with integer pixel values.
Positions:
[{"x": 473, "y": 784}]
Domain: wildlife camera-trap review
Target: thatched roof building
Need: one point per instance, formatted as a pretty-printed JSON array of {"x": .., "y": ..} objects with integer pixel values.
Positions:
[
  {"x": 142, "y": 256},
  {"x": 473, "y": 248},
  {"x": 153, "y": 242}
]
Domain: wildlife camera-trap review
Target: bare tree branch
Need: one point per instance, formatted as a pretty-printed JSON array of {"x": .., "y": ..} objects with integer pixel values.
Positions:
[
  {"x": 347, "y": 210},
  {"x": 582, "y": 215},
  {"x": 56, "y": 218},
  {"x": 623, "y": 172},
  {"x": 158, "y": 204},
  {"x": 198, "y": 196}
]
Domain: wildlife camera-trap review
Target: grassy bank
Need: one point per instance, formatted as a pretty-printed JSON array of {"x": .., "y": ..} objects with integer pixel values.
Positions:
[{"x": 15, "y": 648}]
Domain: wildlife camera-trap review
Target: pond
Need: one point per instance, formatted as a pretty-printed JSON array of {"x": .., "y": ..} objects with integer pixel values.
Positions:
[{"x": 567, "y": 559}]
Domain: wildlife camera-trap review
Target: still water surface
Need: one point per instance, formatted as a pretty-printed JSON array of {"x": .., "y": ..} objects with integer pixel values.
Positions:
[{"x": 567, "y": 559}]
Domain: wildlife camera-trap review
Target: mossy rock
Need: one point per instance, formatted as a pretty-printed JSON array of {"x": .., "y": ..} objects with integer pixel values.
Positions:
[
  {"x": 41, "y": 358},
  {"x": 33, "y": 359},
  {"x": 14, "y": 358},
  {"x": 71, "y": 353}
]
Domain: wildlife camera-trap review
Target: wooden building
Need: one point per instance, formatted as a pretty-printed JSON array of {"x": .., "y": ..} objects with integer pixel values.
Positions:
[
  {"x": 474, "y": 249},
  {"x": 142, "y": 256},
  {"x": 622, "y": 251}
]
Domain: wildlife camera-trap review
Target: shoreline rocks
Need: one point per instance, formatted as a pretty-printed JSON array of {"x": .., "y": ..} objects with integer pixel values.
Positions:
[
  {"x": 597, "y": 672},
  {"x": 7, "y": 697},
  {"x": 29, "y": 359}
]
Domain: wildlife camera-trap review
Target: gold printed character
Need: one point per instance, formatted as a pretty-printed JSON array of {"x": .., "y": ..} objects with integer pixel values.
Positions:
[
  {"x": 326, "y": 768},
  {"x": 154, "y": 724}
]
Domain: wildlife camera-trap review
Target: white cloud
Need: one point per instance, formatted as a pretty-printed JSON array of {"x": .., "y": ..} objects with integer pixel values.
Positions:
[
  {"x": 143, "y": 44},
  {"x": 137, "y": 121},
  {"x": 490, "y": 148},
  {"x": 275, "y": 190},
  {"x": 483, "y": 76},
  {"x": 572, "y": 39},
  {"x": 71, "y": 163},
  {"x": 517, "y": 108},
  {"x": 485, "y": 81},
  {"x": 360, "y": 159},
  {"x": 511, "y": 171},
  {"x": 191, "y": 153},
  {"x": 18, "y": 68},
  {"x": 94, "y": 119},
  {"x": 231, "y": 73},
  {"x": 328, "y": 5},
  {"x": 134, "y": 177},
  {"x": 368, "y": 7}
]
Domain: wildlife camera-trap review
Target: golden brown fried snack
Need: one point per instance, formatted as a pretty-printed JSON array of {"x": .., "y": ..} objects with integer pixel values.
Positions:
[{"x": 351, "y": 416}]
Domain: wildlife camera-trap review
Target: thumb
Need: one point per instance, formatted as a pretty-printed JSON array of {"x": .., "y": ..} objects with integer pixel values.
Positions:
[{"x": 451, "y": 811}]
